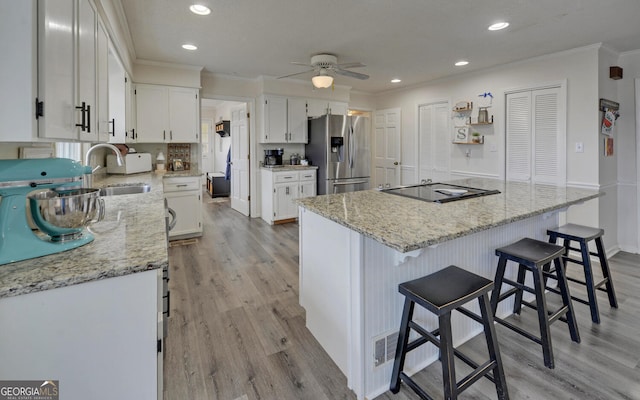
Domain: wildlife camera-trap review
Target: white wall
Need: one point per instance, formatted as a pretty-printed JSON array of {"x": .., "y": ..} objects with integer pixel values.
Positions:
[
  {"x": 166, "y": 74},
  {"x": 608, "y": 166},
  {"x": 577, "y": 67},
  {"x": 627, "y": 151}
]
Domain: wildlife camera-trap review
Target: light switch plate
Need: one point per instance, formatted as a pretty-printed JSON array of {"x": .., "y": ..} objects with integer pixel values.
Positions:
[{"x": 579, "y": 147}]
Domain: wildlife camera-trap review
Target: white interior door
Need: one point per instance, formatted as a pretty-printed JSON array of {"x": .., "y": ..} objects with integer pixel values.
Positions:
[
  {"x": 386, "y": 160},
  {"x": 240, "y": 160},
  {"x": 208, "y": 141},
  {"x": 434, "y": 141}
]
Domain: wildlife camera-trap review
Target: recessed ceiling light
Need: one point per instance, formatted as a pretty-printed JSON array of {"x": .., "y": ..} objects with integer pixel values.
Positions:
[
  {"x": 200, "y": 9},
  {"x": 396, "y": 80},
  {"x": 461, "y": 63},
  {"x": 189, "y": 47},
  {"x": 498, "y": 26}
]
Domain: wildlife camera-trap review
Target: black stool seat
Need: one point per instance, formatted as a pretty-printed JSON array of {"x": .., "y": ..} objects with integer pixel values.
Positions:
[
  {"x": 446, "y": 289},
  {"x": 532, "y": 256},
  {"x": 583, "y": 235},
  {"x": 441, "y": 293}
]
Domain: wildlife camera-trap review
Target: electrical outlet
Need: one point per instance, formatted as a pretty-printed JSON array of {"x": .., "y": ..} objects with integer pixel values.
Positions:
[{"x": 579, "y": 147}]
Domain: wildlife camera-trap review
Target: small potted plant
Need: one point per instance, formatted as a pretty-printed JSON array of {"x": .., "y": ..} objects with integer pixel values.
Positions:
[{"x": 476, "y": 138}]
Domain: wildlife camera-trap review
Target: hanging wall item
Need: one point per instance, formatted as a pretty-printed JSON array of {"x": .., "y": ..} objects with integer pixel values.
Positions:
[
  {"x": 461, "y": 134},
  {"x": 608, "y": 147}
]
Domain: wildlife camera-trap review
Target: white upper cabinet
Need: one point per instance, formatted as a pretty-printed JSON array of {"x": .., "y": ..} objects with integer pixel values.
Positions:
[
  {"x": 166, "y": 114},
  {"x": 285, "y": 120},
  {"x": 297, "y": 120},
  {"x": 51, "y": 65},
  {"x": 104, "y": 121},
  {"x": 117, "y": 99},
  {"x": 319, "y": 107},
  {"x": 18, "y": 69}
]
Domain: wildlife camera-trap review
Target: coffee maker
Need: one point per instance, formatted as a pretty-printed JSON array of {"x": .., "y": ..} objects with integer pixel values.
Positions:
[{"x": 273, "y": 158}]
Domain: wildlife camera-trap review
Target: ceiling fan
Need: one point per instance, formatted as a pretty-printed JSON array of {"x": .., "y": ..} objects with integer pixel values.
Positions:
[{"x": 325, "y": 66}]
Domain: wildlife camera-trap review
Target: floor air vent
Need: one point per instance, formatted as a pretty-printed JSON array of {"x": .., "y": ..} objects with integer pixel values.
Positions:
[{"x": 384, "y": 348}]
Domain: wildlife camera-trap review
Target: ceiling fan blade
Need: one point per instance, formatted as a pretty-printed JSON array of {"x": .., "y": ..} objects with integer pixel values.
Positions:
[
  {"x": 351, "y": 74},
  {"x": 299, "y": 63},
  {"x": 351, "y": 65},
  {"x": 297, "y": 73}
]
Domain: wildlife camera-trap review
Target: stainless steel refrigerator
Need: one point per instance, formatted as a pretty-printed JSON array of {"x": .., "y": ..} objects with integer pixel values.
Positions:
[{"x": 339, "y": 146}]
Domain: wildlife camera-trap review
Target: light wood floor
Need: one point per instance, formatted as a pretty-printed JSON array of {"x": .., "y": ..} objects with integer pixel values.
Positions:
[{"x": 236, "y": 330}]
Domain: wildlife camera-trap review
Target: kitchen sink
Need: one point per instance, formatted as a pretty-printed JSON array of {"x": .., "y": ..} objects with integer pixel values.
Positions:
[{"x": 125, "y": 188}]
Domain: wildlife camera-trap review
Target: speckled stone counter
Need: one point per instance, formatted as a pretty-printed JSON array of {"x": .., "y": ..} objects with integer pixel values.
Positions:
[
  {"x": 131, "y": 238},
  {"x": 406, "y": 224},
  {"x": 287, "y": 167}
]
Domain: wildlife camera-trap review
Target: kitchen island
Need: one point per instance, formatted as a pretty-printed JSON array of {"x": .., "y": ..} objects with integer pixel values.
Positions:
[
  {"x": 92, "y": 315},
  {"x": 355, "y": 248}
]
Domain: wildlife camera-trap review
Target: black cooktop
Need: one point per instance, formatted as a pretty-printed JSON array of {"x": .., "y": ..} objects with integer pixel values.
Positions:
[{"x": 439, "y": 192}]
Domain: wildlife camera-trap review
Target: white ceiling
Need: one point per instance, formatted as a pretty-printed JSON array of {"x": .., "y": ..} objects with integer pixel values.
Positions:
[{"x": 414, "y": 40}]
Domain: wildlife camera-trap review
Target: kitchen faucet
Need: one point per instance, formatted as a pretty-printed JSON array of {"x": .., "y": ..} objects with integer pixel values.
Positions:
[{"x": 88, "y": 181}]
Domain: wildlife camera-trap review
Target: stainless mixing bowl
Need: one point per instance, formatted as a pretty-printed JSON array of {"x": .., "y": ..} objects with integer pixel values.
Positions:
[{"x": 62, "y": 214}]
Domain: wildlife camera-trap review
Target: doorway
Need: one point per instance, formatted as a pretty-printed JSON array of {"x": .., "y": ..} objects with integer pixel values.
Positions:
[{"x": 222, "y": 151}]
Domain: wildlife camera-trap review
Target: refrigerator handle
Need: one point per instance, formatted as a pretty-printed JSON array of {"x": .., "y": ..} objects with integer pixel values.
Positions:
[{"x": 352, "y": 148}]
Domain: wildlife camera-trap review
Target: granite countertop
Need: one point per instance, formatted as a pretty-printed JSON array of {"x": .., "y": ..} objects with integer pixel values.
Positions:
[
  {"x": 131, "y": 238},
  {"x": 177, "y": 174},
  {"x": 406, "y": 224},
  {"x": 290, "y": 168}
]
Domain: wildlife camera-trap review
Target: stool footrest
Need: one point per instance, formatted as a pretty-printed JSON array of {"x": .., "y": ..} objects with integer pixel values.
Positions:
[
  {"x": 533, "y": 306},
  {"x": 518, "y": 285},
  {"x": 477, "y": 373},
  {"x": 518, "y": 330},
  {"x": 413, "y": 385}
]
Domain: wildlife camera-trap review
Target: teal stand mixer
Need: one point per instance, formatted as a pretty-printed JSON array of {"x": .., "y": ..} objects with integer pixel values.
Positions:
[{"x": 60, "y": 208}]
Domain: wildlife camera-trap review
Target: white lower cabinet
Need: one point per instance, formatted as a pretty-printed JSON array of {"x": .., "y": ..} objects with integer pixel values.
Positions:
[
  {"x": 183, "y": 196},
  {"x": 88, "y": 335},
  {"x": 280, "y": 189}
]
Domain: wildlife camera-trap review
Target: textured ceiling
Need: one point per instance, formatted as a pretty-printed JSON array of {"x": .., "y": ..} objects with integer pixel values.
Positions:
[{"x": 414, "y": 40}]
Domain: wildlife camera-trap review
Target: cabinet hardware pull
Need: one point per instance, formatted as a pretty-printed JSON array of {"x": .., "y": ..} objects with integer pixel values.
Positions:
[
  {"x": 164, "y": 135},
  {"x": 113, "y": 124},
  {"x": 82, "y": 109},
  {"x": 170, "y": 135},
  {"x": 88, "y": 118},
  {"x": 182, "y": 185}
]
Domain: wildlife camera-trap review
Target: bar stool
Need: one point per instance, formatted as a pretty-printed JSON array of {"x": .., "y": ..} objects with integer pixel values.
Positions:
[
  {"x": 583, "y": 235},
  {"x": 440, "y": 293},
  {"x": 531, "y": 255}
]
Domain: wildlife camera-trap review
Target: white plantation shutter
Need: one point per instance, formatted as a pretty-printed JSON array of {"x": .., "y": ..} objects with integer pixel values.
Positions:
[
  {"x": 519, "y": 136},
  {"x": 545, "y": 133},
  {"x": 535, "y": 137}
]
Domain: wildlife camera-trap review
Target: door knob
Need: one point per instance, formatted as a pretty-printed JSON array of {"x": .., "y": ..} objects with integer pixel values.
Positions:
[{"x": 395, "y": 163}]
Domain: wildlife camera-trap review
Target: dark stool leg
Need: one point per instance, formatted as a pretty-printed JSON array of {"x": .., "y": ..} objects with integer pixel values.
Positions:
[
  {"x": 447, "y": 358},
  {"x": 588, "y": 276},
  {"x": 517, "y": 303},
  {"x": 497, "y": 284},
  {"x": 543, "y": 318},
  {"x": 492, "y": 345},
  {"x": 604, "y": 264},
  {"x": 566, "y": 298},
  {"x": 401, "y": 348}
]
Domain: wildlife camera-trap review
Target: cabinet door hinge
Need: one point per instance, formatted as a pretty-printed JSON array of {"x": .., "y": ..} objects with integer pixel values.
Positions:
[
  {"x": 196, "y": 96},
  {"x": 199, "y": 197},
  {"x": 274, "y": 190},
  {"x": 248, "y": 115},
  {"x": 265, "y": 102},
  {"x": 248, "y": 198},
  {"x": 39, "y": 108},
  {"x": 159, "y": 346},
  {"x": 199, "y": 225},
  {"x": 135, "y": 91}
]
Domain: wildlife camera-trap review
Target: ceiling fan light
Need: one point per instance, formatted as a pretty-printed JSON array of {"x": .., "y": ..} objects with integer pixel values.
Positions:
[
  {"x": 322, "y": 81},
  {"x": 200, "y": 9}
]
